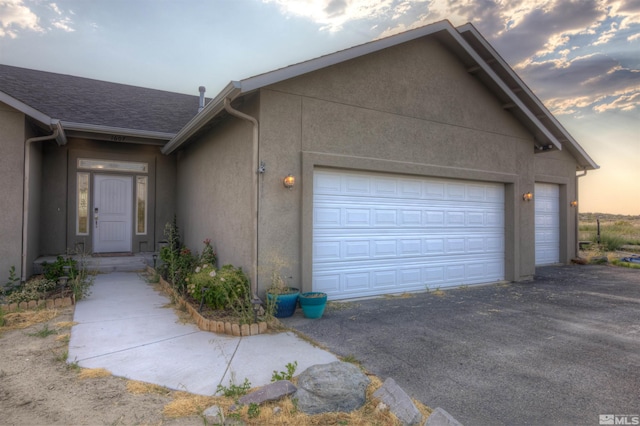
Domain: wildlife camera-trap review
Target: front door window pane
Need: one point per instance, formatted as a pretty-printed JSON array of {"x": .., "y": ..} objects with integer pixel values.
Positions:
[
  {"x": 82, "y": 222},
  {"x": 141, "y": 205}
]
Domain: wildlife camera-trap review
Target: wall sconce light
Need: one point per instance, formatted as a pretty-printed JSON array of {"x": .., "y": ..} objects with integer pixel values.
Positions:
[
  {"x": 527, "y": 196},
  {"x": 289, "y": 181},
  {"x": 574, "y": 203}
]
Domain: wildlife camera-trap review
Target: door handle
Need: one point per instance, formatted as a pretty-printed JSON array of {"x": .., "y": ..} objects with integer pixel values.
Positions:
[{"x": 95, "y": 215}]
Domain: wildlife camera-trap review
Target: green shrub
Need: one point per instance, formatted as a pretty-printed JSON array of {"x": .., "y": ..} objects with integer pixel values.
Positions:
[
  {"x": 35, "y": 289},
  {"x": 610, "y": 242},
  {"x": 203, "y": 285},
  {"x": 226, "y": 288},
  {"x": 55, "y": 270},
  {"x": 178, "y": 261}
]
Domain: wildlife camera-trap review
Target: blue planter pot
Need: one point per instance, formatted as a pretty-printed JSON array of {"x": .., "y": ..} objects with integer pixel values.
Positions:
[
  {"x": 285, "y": 303},
  {"x": 313, "y": 304}
]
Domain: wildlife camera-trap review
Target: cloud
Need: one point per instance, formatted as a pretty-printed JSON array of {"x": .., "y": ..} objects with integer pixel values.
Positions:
[
  {"x": 14, "y": 15},
  {"x": 63, "y": 24},
  {"x": 332, "y": 15},
  {"x": 595, "y": 82}
]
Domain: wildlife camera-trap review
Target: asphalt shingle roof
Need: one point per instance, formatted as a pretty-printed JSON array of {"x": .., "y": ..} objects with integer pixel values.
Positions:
[{"x": 95, "y": 102}]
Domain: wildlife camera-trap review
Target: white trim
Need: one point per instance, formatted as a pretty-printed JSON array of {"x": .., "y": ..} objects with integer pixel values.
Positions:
[{"x": 94, "y": 128}]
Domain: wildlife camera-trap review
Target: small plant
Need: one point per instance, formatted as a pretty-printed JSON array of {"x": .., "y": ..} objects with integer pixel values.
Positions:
[
  {"x": 177, "y": 261},
  {"x": 282, "y": 375},
  {"x": 43, "y": 332},
  {"x": 67, "y": 267},
  {"x": 208, "y": 256},
  {"x": 253, "y": 411},
  {"x": 2, "y": 320},
  {"x": 276, "y": 266},
  {"x": 234, "y": 391},
  {"x": 13, "y": 280}
]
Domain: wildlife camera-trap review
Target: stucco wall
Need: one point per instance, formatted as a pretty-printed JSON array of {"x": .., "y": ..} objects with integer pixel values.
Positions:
[
  {"x": 34, "y": 231},
  {"x": 12, "y": 137},
  {"x": 215, "y": 193},
  {"x": 412, "y": 109}
]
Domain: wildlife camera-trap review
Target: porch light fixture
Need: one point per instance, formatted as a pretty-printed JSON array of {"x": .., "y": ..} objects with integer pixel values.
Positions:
[
  {"x": 574, "y": 203},
  {"x": 289, "y": 181},
  {"x": 527, "y": 196}
]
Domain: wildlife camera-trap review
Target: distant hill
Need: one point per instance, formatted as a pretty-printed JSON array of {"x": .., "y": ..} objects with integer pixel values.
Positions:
[{"x": 592, "y": 217}]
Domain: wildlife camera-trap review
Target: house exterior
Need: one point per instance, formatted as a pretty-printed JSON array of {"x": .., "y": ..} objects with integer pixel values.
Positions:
[{"x": 420, "y": 161}]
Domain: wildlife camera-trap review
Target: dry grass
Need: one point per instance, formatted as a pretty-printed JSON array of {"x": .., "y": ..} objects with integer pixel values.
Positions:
[
  {"x": 20, "y": 320},
  {"x": 398, "y": 296},
  {"x": 139, "y": 388},
  {"x": 65, "y": 324},
  {"x": 185, "y": 405},
  {"x": 64, "y": 338},
  {"x": 93, "y": 373}
]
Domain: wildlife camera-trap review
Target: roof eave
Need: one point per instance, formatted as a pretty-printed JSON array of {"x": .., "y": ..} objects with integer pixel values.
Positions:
[
  {"x": 25, "y": 109},
  {"x": 116, "y": 134},
  {"x": 585, "y": 161},
  {"x": 210, "y": 111}
]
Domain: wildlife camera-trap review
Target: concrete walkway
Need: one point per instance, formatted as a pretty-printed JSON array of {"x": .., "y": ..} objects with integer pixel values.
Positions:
[{"x": 126, "y": 327}]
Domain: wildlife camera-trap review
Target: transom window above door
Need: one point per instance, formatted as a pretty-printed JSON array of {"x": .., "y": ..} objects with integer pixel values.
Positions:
[{"x": 111, "y": 165}]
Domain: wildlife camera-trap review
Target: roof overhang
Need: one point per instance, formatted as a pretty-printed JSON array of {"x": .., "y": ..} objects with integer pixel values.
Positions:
[
  {"x": 209, "y": 112},
  {"x": 68, "y": 129},
  {"x": 544, "y": 120},
  {"x": 479, "y": 58}
]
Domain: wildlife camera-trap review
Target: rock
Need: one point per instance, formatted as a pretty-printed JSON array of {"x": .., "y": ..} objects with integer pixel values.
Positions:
[
  {"x": 399, "y": 402},
  {"x": 338, "y": 386},
  {"x": 270, "y": 392},
  {"x": 439, "y": 417},
  {"x": 213, "y": 415}
]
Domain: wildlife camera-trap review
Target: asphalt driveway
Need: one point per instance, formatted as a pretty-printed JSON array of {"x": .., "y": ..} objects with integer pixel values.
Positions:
[{"x": 559, "y": 350}]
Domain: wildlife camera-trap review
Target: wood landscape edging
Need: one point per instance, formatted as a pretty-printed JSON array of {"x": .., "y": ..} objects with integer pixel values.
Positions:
[
  {"x": 214, "y": 326},
  {"x": 58, "y": 302}
]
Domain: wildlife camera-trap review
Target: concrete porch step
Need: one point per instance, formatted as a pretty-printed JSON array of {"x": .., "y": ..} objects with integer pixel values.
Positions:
[{"x": 104, "y": 263}]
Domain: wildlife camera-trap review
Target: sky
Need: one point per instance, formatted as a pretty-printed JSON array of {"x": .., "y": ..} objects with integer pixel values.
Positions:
[{"x": 581, "y": 58}]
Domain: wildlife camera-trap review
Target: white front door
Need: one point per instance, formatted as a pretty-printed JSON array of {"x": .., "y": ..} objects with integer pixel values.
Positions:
[{"x": 112, "y": 213}]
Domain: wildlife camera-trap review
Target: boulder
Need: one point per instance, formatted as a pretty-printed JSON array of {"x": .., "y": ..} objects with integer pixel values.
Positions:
[
  {"x": 398, "y": 402},
  {"x": 338, "y": 386},
  {"x": 213, "y": 415},
  {"x": 271, "y": 392},
  {"x": 440, "y": 417}
]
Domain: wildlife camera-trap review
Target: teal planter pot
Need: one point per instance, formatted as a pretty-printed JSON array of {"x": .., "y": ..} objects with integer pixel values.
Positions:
[
  {"x": 285, "y": 303},
  {"x": 313, "y": 304}
]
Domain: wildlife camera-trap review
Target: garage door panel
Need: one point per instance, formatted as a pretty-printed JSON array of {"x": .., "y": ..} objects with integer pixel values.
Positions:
[
  {"x": 400, "y": 233},
  {"x": 547, "y": 223}
]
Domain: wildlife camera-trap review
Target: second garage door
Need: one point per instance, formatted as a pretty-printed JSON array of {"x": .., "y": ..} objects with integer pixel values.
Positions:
[{"x": 377, "y": 233}]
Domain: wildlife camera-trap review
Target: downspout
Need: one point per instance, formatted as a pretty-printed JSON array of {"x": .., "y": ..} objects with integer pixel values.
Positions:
[
  {"x": 576, "y": 214},
  {"x": 25, "y": 195},
  {"x": 258, "y": 169}
]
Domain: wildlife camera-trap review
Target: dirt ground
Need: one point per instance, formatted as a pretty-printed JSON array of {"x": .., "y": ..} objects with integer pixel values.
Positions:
[{"x": 37, "y": 387}]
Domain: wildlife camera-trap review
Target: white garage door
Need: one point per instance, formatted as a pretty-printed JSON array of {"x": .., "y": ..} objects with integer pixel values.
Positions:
[
  {"x": 379, "y": 233},
  {"x": 547, "y": 201}
]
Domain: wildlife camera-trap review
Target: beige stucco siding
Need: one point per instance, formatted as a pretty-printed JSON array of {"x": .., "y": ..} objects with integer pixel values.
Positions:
[
  {"x": 214, "y": 192},
  {"x": 412, "y": 109},
  {"x": 12, "y": 137}
]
